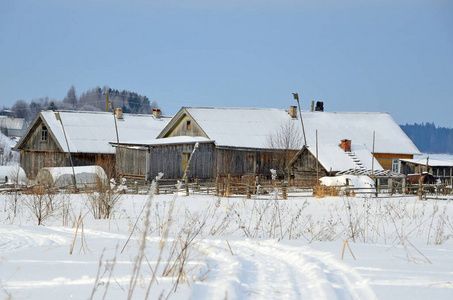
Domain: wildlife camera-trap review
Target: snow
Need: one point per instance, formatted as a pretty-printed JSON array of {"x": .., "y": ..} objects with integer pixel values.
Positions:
[
  {"x": 9, "y": 157},
  {"x": 171, "y": 141},
  {"x": 251, "y": 127},
  {"x": 91, "y": 132},
  {"x": 236, "y": 248},
  {"x": 360, "y": 183},
  {"x": 333, "y": 157},
  {"x": 434, "y": 160},
  {"x": 14, "y": 174}
]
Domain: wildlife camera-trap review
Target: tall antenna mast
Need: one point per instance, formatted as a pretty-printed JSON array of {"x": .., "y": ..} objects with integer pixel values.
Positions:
[{"x": 296, "y": 97}]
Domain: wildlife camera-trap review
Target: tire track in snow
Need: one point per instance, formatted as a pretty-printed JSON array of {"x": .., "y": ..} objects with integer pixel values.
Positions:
[
  {"x": 269, "y": 270},
  {"x": 23, "y": 237}
]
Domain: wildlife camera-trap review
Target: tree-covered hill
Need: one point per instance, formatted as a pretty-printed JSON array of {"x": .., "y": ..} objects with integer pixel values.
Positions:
[
  {"x": 430, "y": 139},
  {"x": 91, "y": 100}
]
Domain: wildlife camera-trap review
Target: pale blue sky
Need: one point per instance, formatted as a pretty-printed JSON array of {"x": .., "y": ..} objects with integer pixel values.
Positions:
[{"x": 388, "y": 56}]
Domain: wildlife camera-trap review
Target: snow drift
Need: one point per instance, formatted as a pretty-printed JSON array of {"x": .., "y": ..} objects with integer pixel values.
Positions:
[{"x": 360, "y": 183}]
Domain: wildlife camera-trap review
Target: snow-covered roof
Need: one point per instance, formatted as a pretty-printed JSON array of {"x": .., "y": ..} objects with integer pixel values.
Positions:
[
  {"x": 251, "y": 127},
  {"x": 91, "y": 132},
  {"x": 11, "y": 123},
  {"x": 170, "y": 141},
  {"x": 432, "y": 162},
  {"x": 333, "y": 158}
]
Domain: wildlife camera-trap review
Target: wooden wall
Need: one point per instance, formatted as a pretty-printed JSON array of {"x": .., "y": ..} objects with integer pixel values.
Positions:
[
  {"x": 34, "y": 142},
  {"x": 385, "y": 159},
  {"x": 247, "y": 162},
  {"x": 181, "y": 128},
  {"x": 33, "y": 161},
  {"x": 207, "y": 161},
  {"x": 303, "y": 170}
]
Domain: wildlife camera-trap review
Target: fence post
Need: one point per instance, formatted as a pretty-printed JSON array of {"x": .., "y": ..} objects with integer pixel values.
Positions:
[
  {"x": 403, "y": 184},
  {"x": 187, "y": 187},
  {"x": 227, "y": 194},
  {"x": 157, "y": 187},
  {"x": 419, "y": 189},
  {"x": 378, "y": 186},
  {"x": 390, "y": 186},
  {"x": 257, "y": 182},
  {"x": 284, "y": 194},
  {"x": 136, "y": 187},
  {"x": 217, "y": 187},
  {"x": 249, "y": 183}
]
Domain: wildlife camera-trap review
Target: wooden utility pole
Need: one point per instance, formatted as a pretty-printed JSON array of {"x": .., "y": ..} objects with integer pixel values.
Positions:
[
  {"x": 372, "y": 155},
  {"x": 296, "y": 97},
  {"x": 317, "y": 158},
  {"x": 107, "y": 102},
  {"x": 57, "y": 115}
]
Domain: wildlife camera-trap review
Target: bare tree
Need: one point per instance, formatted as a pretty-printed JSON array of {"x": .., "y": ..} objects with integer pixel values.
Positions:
[
  {"x": 286, "y": 137},
  {"x": 21, "y": 109},
  {"x": 41, "y": 204},
  {"x": 70, "y": 101}
]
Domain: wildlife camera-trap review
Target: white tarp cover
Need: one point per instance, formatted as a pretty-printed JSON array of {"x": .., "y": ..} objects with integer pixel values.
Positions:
[
  {"x": 62, "y": 176},
  {"x": 360, "y": 183},
  {"x": 14, "y": 174}
]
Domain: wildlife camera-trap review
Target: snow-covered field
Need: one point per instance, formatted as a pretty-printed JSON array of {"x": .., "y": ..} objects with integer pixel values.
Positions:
[{"x": 204, "y": 247}]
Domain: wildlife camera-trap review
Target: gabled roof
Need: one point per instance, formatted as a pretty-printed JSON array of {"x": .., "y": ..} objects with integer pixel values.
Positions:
[
  {"x": 91, "y": 132},
  {"x": 333, "y": 158},
  {"x": 251, "y": 127}
]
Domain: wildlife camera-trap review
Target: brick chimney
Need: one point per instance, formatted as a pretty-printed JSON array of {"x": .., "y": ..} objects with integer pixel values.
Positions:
[
  {"x": 156, "y": 112},
  {"x": 119, "y": 113},
  {"x": 293, "y": 111},
  {"x": 346, "y": 145}
]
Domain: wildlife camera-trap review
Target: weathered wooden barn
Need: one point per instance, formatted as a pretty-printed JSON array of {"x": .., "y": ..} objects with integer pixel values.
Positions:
[
  {"x": 55, "y": 138},
  {"x": 439, "y": 168},
  {"x": 232, "y": 141},
  {"x": 242, "y": 141}
]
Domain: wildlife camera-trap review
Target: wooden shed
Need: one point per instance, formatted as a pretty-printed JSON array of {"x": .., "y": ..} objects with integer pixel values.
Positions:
[
  {"x": 440, "y": 167},
  {"x": 55, "y": 138},
  {"x": 310, "y": 164},
  {"x": 171, "y": 156}
]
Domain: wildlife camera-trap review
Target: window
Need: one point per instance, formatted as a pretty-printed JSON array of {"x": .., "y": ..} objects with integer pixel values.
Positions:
[
  {"x": 44, "y": 134},
  {"x": 188, "y": 125},
  {"x": 396, "y": 165}
]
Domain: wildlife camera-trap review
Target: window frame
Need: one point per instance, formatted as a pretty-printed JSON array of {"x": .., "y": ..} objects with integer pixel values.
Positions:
[{"x": 44, "y": 133}]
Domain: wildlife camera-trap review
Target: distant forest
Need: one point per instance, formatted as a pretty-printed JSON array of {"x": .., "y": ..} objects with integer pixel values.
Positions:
[
  {"x": 430, "y": 139},
  {"x": 91, "y": 100}
]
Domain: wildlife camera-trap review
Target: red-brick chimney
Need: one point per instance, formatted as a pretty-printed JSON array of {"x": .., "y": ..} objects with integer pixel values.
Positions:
[{"x": 346, "y": 145}]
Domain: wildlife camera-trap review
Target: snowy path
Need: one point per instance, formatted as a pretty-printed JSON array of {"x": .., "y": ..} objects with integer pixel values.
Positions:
[
  {"x": 269, "y": 270},
  {"x": 16, "y": 238}
]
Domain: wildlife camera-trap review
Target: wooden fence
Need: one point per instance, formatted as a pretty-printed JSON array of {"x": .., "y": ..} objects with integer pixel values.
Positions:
[{"x": 265, "y": 188}]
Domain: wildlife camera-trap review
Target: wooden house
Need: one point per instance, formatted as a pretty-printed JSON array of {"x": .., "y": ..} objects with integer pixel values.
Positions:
[
  {"x": 310, "y": 164},
  {"x": 55, "y": 138},
  {"x": 440, "y": 167},
  {"x": 231, "y": 141},
  {"x": 12, "y": 127},
  {"x": 238, "y": 141}
]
